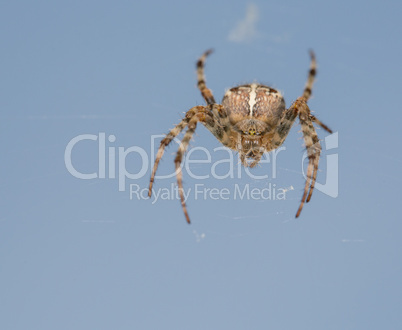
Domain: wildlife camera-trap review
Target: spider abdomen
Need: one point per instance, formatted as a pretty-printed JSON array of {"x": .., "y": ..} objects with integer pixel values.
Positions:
[{"x": 254, "y": 101}]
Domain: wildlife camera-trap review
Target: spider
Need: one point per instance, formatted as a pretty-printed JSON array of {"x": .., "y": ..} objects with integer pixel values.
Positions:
[{"x": 252, "y": 119}]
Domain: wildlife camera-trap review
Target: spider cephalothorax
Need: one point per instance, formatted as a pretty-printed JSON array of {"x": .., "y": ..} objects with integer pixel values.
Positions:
[
  {"x": 253, "y": 112},
  {"x": 252, "y": 119}
]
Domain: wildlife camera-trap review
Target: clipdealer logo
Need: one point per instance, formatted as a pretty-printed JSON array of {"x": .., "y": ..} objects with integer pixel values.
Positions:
[
  {"x": 112, "y": 164},
  {"x": 122, "y": 154}
]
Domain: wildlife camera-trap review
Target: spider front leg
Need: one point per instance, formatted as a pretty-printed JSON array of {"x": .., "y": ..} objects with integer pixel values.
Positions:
[
  {"x": 179, "y": 156},
  {"x": 169, "y": 137},
  {"x": 208, "y": 120},
  {"x": 194, "y": 115},
  {"x": 301, "y": 109},
  {"x": 313, "y": 147}
]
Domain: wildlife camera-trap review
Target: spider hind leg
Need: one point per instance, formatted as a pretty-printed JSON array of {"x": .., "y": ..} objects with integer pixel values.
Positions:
[{"x": 313, "y": 150}]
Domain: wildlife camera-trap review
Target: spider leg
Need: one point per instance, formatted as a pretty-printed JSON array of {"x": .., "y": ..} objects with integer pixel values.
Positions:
[
  {"x": 205, "y": 91},
  {"x": 318, "y": 122},
  {"x": 310, "y": 136},
  {"x": 283, "y": 127},
  {"x": 243, "y": 159},
  {"x": 306, "y": 187},
  {"x": 169, "y": 137},
  {"x": 315, "y": 170},
  {"x": 193, "y": 116},
  {"x": 300, "y": 107},
  {"x": 217, "y": 122},
  {"x": 311, "y": 76},
  {"x": 211, "y": 122},
  {"x": 309, "y": 88},
  {"x": 182, "y": 149},
  {"x": 313, "y": 149}
]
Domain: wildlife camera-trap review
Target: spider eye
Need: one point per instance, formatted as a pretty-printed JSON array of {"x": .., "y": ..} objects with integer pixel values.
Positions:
[{"x": 252, "y": 131}]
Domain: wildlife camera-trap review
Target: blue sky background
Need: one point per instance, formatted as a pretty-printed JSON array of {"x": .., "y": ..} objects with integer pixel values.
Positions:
[{"x": 79, "y": 254}]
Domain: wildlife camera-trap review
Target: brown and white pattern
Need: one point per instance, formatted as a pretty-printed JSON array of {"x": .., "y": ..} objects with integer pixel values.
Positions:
[{"x": 252, "y": 119}]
